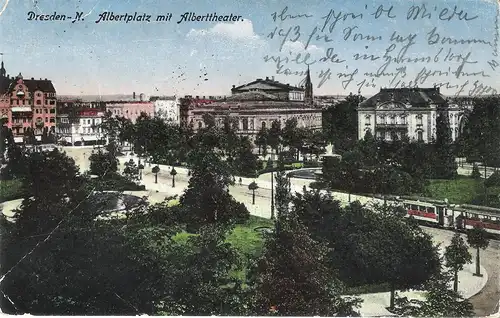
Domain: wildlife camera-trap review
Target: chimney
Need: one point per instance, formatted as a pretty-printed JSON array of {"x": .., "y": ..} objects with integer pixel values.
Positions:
[
  {"x": 267, "y": 78},
  {"x": 32, "y": 78},
  {"x": 234, "y": 86},
  {"x": 133, "y": 95},
  {"x": 272, "y": 78},
  {"x": 45, "y": 79}
]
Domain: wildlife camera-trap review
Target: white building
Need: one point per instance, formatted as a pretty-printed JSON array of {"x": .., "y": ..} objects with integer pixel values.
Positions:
[
  {"x": 80, "y": 129},
  {"x": 167, "y": 107},
  {"x": 407, "y": 110}
]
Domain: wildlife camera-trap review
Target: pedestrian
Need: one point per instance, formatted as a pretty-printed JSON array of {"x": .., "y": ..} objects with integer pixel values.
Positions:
[{"x": 239, "y": 180}]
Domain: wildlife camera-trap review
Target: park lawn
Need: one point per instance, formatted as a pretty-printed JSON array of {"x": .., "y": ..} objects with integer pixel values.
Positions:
[
  {"x": 10, "y": 190},
  {"x": 243, "y": 238},
  {"x": 461, "y": 190},
  {"x": 248, "y": 242}
]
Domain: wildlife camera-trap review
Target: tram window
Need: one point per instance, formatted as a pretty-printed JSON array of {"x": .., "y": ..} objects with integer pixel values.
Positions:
[
  {"x": 474, "y": 215},
  {"x": 430, "y": 210},
  {"x": 414, "y": 207}
]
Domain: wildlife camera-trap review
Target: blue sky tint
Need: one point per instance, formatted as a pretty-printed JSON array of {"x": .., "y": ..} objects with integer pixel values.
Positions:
[{"x": 205, "y": 58}]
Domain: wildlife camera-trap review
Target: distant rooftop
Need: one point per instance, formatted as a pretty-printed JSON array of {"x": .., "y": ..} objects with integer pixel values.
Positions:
[{"x": 103, "y": 98}]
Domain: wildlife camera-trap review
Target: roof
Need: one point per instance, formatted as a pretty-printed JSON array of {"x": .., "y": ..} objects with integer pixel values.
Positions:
[
  {"x": 252, "y": 95},
  {"x": 45, "y": 85},
  {"x": 266, "y": 84},
  {"x": 416, "y": 97}
]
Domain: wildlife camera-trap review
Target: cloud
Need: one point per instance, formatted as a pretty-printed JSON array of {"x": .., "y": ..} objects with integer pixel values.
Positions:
[
  {"x": 240, "y": 30},
  {"x": 298, "y": 47}
]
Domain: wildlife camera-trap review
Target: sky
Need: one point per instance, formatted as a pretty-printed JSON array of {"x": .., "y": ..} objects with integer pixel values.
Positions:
[{"x": 207, "y": 58}]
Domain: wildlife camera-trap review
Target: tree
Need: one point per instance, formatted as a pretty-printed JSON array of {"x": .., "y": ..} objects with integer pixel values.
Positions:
[
  {"x": 274, "y": 137},
  {"x": 140, "y": 166},
  {"x": 131, "y": 171},
  {"x": 261, "y": 140},
  {"x": 351, "y": 164},
  {"x": 252, "y": 187},
  {"x": 456, "y": 256},
  {"x": 103, "y": 163},
  {"x": 439, "y": 301},
  {"x": 156, "y": 170},
  {"x": 381, "y": 246},
  {"x": 475, "y": 172},
  {"x": 173, "y": 173},
  {"x": 246, "y": 161},
  {"x": 445, "y": 166},
  {"x": 202, "y": 284},
  {"x": 340, "y": 122},
  {"x": 292, "y": 278},
  {"x": 207, "y": 199},
  {"x": 477, "y": 238}
]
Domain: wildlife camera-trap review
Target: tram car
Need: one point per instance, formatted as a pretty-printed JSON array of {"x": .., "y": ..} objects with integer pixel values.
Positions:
[
  {"x": 461, "y": 217},
  {"x": 469, "y": 216}
]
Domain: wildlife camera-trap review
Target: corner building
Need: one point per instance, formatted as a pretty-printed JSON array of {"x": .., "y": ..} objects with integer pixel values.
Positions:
[{"x": 27, "y": 104}]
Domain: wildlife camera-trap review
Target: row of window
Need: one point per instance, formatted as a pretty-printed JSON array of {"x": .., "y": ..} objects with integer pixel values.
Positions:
[
  {"x": 45, "y": 110},
  {"x": 82, "y": 130},
  {"x": 391, "y": 135},
  {"x": 29, "y": 102}
]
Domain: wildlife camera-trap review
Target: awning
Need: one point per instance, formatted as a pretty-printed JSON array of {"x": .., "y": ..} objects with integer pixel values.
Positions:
[{"x": 21, "y": 109}]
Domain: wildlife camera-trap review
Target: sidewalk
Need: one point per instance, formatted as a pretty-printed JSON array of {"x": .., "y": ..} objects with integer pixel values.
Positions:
[{"x": 468, "y": 286}]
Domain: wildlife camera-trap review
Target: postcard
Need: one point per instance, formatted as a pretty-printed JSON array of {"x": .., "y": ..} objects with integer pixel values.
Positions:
[{"x": 247, "y": 158}]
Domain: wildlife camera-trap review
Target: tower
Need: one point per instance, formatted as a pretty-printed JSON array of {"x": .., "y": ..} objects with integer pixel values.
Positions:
[
  {"x": 2, "y": 68},
  {"x": 308, "y": 94}
]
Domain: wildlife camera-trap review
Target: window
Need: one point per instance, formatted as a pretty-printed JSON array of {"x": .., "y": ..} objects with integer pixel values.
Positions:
[
  {"x": 46, "y": 111},
  {"x": 393, "y": 120},
  {"x": 53, "y": 111},
  {"x": 419, "y": 120},
  {"x": 263, "y": 125},
  {"x": 200, "y": 125},
  {"x": 52, "y": 120},
  {"x": 245, "y": 123},
  {"x": 420, "y": 135},
  {"x": 46, "y": 119}
]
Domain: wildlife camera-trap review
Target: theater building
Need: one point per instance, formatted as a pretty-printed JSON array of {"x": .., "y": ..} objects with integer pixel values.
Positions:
[
  {"x": 27, "y": 105},
  {"x": 412, "y": 111},
  {"x": 256, "y": 105}
]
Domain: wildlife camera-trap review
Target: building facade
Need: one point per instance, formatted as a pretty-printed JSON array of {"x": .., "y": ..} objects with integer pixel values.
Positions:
[
  {"x": 80, "y": 128},
  {"x": 256, "y": 105},
  {"x": 27, "y": 106},
  {"x": 411, "y": 111},
  {"x": 130, "y": 109},
  {"x": 167, "y": 107}
]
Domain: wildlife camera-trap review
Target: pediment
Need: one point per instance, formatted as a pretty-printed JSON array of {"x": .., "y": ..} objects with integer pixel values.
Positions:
[{"x": 391, "y": 105}]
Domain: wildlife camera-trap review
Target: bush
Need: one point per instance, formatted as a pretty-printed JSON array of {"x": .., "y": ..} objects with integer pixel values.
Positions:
[
  {"x": 117, "y": 182},
  {"x": 10, "y": 190},
  {"x": 493, "y": 180}
]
